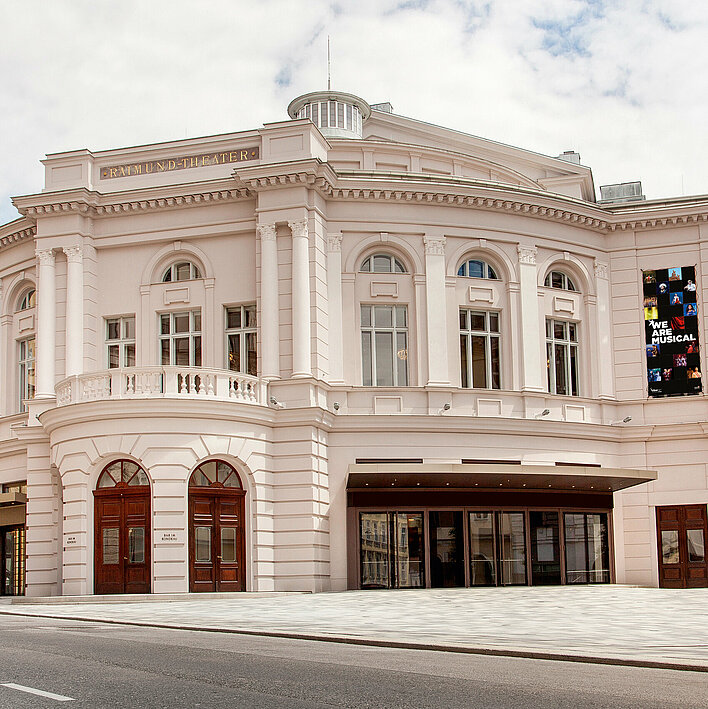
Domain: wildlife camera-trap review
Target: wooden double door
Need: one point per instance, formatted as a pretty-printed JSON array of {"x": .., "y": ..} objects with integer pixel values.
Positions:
[
  {"x": 682, "y": 530},
  {"x": 216, "y": 540},
  {"x": 122, "y": 541}
]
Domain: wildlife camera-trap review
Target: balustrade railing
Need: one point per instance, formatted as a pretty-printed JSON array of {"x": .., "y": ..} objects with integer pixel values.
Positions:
[{"x": 146, "y": 382}]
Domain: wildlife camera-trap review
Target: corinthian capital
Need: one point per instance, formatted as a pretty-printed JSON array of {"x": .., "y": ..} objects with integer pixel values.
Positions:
[
  {"x": 45, "y": 257},
  {"x": 334, "y": 242},
  {"x": 600, "y": 269},
  {"x": 434, "y": 245},
  {"x": 266, "y": 232},
  {"x": 527, "y": 254},
  {"x": 299, "y": 228},
  {"x": 74, "y": 254}
]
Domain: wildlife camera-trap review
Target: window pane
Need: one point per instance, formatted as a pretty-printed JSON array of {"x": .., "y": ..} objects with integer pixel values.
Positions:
[
  {"x": 477, "y": 321},
  {"x": 384, "y": 358},
  {"x": 366, "y": 363},
  {"x": 197, "y": 320},
  {"x": 549, "y": 328},
  {"x": 696, "y": 545},
  {"x": 373, "y": 549},
  {"x": 463, "y": 319},
  {"x": 228, "y": 545},
  {"x": 494, "y": 322},
  {"x": 556, "y": 279},
  {"x": 251, "y": 353},
  {"x": 164, "y": 324},
  {"x": 401, "y": 316},
  {"x": 113, "y": 356},
  {"x": 233, "y": 318},
  {"x": 223, "y": 471},
  {"x": 197, "y": 352},
  {"x": 492, "y": 273},
  {"x": 382, "y": 264},
  {"x": 513, "y": 548},
  {"x": 475, "y": 269},
  {"x": 494, "y": 346},
  {"x": 182, "y": 271},
  {"x": 181, "y": 322},
  {"x": 482, "y": 566},
  {"x": 164, "y": 351},
  {"x": 383, "y": 316},
  {"x": 398, "y": 266},
  {"x": 235, "y": 353},
  {"x": 129, "y": 469},
  {"x": 479, "y": 362},
  {"x": 402, "y": 359},
  {"x": 128, "y": 328},
  {"x": 111, "y": 550},
  {"x": 366, "y": 316},
  {"x": 113, "y": 329},
  {"x": 202, "y": 544},
  {"x": 574, "y": 371},
  {"x": 366, "y": 265},
  {"x": 461, "y": 271},
  {"x": 669, "y": 546},
  {"x": 559, "y": 330},
  {"x": 129, "y": 356},
  {"x": 136, "y": 545},
  {"x": 181, "y": 351},
  {"x": 199, "y": 479},
  {"x": 464, "y": 364},
  {"x": 409, "y": 545},
  {"x": 250, "y": 311},
  {"x": 560, "y": 370}
]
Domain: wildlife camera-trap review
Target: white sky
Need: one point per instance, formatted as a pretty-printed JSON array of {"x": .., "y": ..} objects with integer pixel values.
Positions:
[{"x": 623, "y": 82}]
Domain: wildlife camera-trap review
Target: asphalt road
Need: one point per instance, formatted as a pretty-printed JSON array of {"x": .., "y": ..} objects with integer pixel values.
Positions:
[{"x": 101, "y": 665}]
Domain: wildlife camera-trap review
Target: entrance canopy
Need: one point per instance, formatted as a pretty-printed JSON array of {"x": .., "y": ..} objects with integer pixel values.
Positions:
[{"x": 442, "y": 476}]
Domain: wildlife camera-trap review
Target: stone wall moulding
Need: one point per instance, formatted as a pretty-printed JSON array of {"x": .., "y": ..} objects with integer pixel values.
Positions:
[
  {"x": 563, "y": 305},
  {"x": 385, "y": 288},
  {"x": 483, "y": 295},
  {"x": 176, "y": 295}
]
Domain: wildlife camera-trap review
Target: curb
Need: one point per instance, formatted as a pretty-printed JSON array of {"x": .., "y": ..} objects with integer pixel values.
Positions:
[{"x": 395, "y": 644}]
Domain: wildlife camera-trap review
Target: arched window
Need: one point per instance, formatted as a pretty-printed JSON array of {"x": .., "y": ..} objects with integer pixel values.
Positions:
[
  {"x": 181, "y": 271},
  {"x": 122, "y": 473},
  {"x": 28, "y": 300},
  {"x": 474, "y": 268},
  {"x": 215, "y": 473},
  {"x": 558, "y": 279},
  {"x": 382, "y": 263}
]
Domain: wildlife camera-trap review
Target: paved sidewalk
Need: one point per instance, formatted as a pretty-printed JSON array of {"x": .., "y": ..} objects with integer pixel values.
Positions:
[{"x": 627, "y": 625}]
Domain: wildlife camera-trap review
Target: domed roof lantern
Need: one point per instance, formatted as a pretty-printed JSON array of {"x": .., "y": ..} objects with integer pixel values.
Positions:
[{"x": 336, "y": 114}]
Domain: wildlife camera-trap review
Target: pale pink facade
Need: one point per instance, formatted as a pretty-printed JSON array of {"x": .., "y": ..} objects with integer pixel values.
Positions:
[{"x": 288, "y": 232}]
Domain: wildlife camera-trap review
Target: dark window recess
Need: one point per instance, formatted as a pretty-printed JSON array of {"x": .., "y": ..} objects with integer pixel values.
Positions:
[
  {"x": 580, "y": 465},
  {"x": 489, "y": 461},
  {"x": 375, "y": 461}
]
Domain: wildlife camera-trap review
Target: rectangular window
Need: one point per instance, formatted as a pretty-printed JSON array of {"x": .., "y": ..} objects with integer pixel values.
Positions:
[
  {"x": 562, "y": 357},
  {"x": 241, "y": 339},
  {"x": 26, "y": 364},
  {"x": 479, "y": 349},
  {"x": 181, "y": 339},
  {"x": 120, "y": 342},
  {"x": 587, "y": 549},
  {"x": 384, "y": 345}
]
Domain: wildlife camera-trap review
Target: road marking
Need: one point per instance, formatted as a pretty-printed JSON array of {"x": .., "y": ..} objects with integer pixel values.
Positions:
[{"x": 39, "y": 692}]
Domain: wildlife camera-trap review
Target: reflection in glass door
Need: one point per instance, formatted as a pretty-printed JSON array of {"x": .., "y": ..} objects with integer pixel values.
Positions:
[
  {"x": 512, "y": 544},
  {"x": 447, "y": 556},
  {"x": 391, "y": 550},
  {"x": 12, "y": 561},
  {"x": 483, "y": 568},
  {"x": 545, "y": 548}
]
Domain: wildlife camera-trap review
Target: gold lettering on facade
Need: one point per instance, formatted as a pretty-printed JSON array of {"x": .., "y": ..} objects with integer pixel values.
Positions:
[{"x": 179, "y": 163}]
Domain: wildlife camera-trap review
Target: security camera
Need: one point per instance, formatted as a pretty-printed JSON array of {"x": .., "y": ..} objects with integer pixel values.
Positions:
[
  {"x": 446, "y": 407},
  {"x": 545, "y": 412},
  {"x": 274, "y": 402},
  {"x": 335, "y": 406}
]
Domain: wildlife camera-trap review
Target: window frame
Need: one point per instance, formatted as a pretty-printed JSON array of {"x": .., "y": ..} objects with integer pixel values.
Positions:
[
  {"x": 396, "y": 265},
  {"x": 372, "y": 329},
  {"x": 466, "y": 335},
  {"x": 192, "y": 334},
  {"x": 567, "y": 283},
  {"x": 490, "y": 273},
  {"x": 170, "y": 273},
  {"x": 571, "y": 349},
  {"x": 26, "y": 390},
  {"x": 244, "y": 331},
  {"x": 122, "y": 342},
  {"x": 27, "y": 300}
]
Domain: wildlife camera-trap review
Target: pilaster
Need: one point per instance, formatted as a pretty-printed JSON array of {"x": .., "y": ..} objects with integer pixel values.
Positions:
[
  {"x": 334, "y": 298},
  {"x": 270, "y": 319},
  {"x": 438, "y": 371},
  {"x": 302, "y": 366},
  {"x": 46, "y": 324},
  {"x": 531, "y": 342}
]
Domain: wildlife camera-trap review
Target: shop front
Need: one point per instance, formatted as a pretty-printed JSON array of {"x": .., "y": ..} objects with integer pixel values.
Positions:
[
  {"x": 431, "y": 526},
  {"x": 13, "y": 501}
]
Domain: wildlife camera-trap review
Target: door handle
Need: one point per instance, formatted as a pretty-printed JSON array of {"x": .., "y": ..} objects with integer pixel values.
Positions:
[{"x": 219, "y": 558}]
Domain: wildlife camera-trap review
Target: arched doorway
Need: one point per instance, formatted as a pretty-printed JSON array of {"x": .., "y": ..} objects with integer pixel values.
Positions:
[
  {"x": 122, "y": 525},
  {"x": 216, "y": 532}
]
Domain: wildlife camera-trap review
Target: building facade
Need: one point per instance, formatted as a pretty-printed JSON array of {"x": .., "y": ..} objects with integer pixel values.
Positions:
[{"x": 348, "y": 350}]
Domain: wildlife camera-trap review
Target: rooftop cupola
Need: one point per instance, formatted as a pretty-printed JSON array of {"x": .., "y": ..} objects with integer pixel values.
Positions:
[{"x": 336, "y": 114}]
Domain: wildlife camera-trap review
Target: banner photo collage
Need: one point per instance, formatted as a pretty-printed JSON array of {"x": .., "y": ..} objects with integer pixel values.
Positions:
[{"x": 671, "y": 328}]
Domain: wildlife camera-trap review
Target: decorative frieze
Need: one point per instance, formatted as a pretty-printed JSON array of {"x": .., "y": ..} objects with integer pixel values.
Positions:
[
  {"x": 600, "y": 269},
  {"x": 334, "y": 242},
  {"x": 434, "y": 245}
]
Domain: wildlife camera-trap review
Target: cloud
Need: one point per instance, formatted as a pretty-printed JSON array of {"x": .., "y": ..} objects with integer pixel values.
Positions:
[{"x": 617, "y": 80}]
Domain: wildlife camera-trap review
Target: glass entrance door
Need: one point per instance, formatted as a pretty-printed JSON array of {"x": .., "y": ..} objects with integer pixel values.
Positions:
[
  {"x": 12, "y": 561},
  {"x": 447, "y": 549},
  {"x": 497, "y": 548},
  {"x": 545, "y": 548}
]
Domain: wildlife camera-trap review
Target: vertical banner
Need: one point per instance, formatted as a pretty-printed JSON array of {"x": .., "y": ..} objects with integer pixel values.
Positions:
[{"x": 671, "y": 328}]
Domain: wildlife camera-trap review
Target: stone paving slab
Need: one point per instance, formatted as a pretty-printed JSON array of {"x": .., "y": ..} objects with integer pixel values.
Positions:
[{"x": 646, "y": 626}]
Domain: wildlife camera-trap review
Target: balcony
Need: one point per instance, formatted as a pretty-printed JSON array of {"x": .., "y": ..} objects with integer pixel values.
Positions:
[{"x": 167, "y": 382}]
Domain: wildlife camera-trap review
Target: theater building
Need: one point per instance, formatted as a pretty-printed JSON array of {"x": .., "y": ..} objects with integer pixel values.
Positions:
[{"x": 348, "y": 350}]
